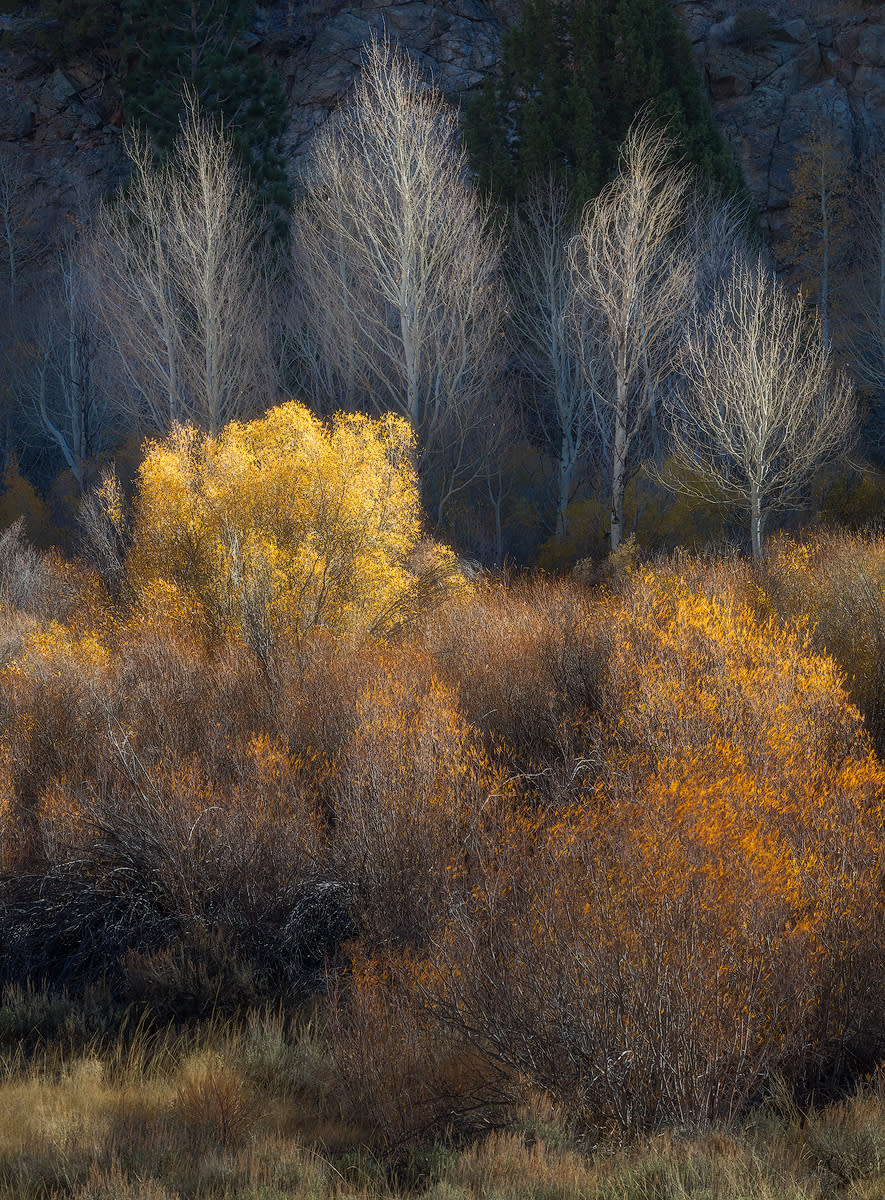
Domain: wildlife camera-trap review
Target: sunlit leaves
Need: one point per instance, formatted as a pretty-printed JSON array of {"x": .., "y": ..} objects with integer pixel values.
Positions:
[{"x": 283, "y": 523}]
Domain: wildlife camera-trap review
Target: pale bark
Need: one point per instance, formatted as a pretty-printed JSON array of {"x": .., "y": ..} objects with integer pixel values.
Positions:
[
  {"x": 21, "y": 242},
  {"x": 761, "y": 406},
  {"x": 633, "y": 275},
  {"x": 185, "y": 302},
  {"x": 57, "y": 382},
  {"x": 398, "y": 272}
]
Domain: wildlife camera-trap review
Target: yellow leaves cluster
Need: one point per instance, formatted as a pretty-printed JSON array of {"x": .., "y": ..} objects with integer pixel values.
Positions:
[
  {"x": 689, "y": 669},
  {"x": 284, "y": 524},
  {"x": 53, "y": 658}
]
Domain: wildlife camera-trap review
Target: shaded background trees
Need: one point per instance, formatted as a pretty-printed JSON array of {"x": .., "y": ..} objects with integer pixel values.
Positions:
[
  {"x": 398, "y": 281},
  {"x": 633, "y": 276},
  {"x": 546, "y": 342}
]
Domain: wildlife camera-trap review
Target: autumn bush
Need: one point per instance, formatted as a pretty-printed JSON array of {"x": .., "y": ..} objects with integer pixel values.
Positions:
[
  {"x": 835, "y": 582},
  {"x": 613, "y": 840},
  {"x": 283, "y": 525},
  {"x": 699, "y": 913}
]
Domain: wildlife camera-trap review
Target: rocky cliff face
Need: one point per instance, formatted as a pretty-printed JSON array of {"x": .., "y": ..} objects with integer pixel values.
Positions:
[
  {"x": 802, "y": 74},
  {"x": 59, "y": 131},
  {"x": 316, "y": 47},
  {"x": 807, "y": 75}
]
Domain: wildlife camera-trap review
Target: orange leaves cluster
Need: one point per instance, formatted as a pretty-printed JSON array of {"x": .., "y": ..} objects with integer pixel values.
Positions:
[{"x": 623, "y": 845}]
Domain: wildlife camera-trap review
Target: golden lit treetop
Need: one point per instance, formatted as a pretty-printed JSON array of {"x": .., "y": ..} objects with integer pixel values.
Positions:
[{"x": 285, "y": 524}]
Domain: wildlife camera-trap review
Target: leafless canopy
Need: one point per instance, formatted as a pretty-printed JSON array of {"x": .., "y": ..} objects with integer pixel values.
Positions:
[
  {"x": 545, "y": 341},
  {"x": 762, "y": 406},
  {"x": 57, "y": 382},
  {"x": 633, "y": 276},
  {"x": 184, "y": 299},
  {"x": 397, "y": 271}
]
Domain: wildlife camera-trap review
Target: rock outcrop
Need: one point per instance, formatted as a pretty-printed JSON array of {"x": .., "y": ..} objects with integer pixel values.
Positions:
[
  {"x": 61, "y": 132},
  {"x": 316, "y": 48},
  {"x": 796, "y": 76},
  {"x": 811, "y": 75}
]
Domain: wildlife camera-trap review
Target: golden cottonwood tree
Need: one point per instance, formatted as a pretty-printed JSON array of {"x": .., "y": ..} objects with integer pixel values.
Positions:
[{"x": 285, "y": 525}]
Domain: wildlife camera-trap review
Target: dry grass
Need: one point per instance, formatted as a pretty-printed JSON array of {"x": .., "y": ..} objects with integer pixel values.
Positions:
[
  {"x": 214, "y": 1111},
  {"x": 237, "y": 1113}
]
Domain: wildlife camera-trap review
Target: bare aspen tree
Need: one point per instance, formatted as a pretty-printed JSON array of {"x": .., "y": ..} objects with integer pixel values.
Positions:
[
  {"x": 184, "y": 298},
  {"x": 761, "y": 405},
  {"x": 633, "y": 275},
  {"x": 57, "y": 382},
  {"x": 819, "y": 221},
  {"x": 545, "y": 340},
  {"x": 718, "y": 241},
  {"x": 398, "y": 272}
]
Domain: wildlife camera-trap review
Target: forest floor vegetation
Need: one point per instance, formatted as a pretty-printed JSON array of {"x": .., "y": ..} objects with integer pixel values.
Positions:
[{"x": 547, "y": 888}]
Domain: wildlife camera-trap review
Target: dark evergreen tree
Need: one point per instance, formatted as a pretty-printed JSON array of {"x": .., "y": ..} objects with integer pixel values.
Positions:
[
  {"x": 573, "y": 76},
  {"x": 168, "y": 46}
]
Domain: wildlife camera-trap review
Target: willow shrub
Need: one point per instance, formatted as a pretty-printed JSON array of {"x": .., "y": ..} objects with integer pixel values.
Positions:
[{"x": 285, "y": 525}]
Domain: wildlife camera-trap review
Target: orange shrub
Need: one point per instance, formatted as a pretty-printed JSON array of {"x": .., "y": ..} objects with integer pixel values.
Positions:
[
  {"x": 527, "y": 662},
  {"x": 687, "y": 668},
  {"x": 835, "y": 582},
  {"x": 412, "y": 781},
  {"x": 702, "y": 915}
]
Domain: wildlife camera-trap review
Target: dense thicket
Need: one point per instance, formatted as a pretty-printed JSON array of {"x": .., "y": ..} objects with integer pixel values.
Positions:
[{"x": 621, "y": 845}]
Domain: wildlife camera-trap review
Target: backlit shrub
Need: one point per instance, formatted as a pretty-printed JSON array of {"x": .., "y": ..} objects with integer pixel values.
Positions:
[
  {"x": 284, "y": 525},
  {"x": 702, "y": 915}
]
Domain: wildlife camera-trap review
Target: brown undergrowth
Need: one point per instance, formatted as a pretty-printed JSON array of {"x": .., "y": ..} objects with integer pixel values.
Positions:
[{"x": 619, "y": 847}]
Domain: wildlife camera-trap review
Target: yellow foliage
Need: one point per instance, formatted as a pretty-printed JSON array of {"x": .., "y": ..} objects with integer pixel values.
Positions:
[
  {"x": 283, "y": 524},
  {"x": 689, "y": 668},
  {"x": 19, "y": 498}
]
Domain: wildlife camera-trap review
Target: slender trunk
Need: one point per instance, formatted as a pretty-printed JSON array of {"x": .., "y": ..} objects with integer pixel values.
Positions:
[
  {"x": 496, "y": 495},
  {"x": 214, "y": 413},
  {"x": 825, "y": 264},
  {"x": 882, "y": 250},
  {"x": 10, "y": 251},
  {"x": 564, "y": 483},
  {"x": 756, "y": 522},
  {"x": 619, "y": 464},
  {"x": 77, "y": 401}
]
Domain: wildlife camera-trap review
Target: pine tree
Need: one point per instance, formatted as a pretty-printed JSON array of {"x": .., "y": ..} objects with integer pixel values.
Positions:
[
  {"x": 574, "y": 75},
  {"x": 200, "y": 46}
]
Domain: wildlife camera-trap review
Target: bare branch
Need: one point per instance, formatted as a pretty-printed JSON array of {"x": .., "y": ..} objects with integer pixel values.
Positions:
[
  {"x": 762, "y": 406},
  {"x": 185, "y": 302},
  {"x": 398, "y": 271},
  {"x": 633, "y": 276}
]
